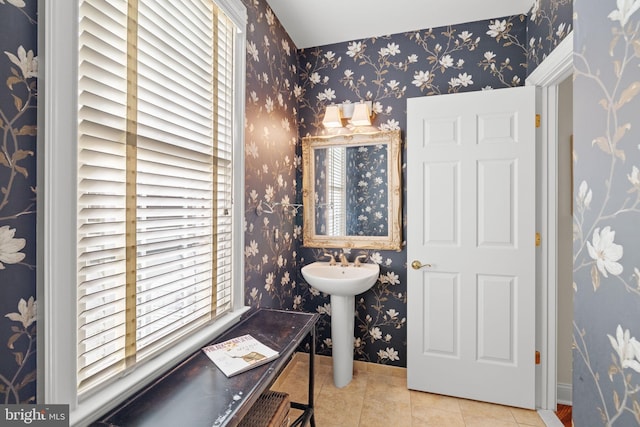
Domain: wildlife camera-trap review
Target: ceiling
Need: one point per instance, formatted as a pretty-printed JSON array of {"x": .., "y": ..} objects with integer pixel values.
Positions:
[{"x": 313, "y": 23}]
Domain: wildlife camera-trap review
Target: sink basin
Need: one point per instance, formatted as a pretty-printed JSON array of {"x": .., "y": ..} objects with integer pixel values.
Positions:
[
  {"x": 342, "y": 284},
  {"x": 338, "y": 280}
]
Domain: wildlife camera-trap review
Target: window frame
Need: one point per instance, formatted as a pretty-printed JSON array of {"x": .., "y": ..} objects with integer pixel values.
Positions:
[{"x": 57, "y": 150}]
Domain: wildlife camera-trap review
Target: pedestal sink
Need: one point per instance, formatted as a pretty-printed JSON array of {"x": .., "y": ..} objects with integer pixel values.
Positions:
[{"x": 342, "y": 284}]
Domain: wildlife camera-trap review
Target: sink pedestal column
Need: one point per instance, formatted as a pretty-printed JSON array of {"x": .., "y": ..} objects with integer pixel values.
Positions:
[{"x": 342, "y": 326}]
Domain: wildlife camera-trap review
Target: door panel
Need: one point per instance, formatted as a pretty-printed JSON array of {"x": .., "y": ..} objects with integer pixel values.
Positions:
[
  {"x": 471, "y": 222},
  {"x": 441, "y": 182}
]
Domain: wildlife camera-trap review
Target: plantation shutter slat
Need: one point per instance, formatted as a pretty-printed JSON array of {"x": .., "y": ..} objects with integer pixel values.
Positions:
[{"x": 181, "y": 134}]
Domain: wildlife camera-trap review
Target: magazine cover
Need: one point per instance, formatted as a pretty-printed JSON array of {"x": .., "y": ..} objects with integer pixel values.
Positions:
[{"x": 239, "y": 354}]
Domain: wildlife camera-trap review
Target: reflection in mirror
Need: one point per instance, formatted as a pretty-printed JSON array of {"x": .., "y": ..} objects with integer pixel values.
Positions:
[{"x": 351, "y": 190}]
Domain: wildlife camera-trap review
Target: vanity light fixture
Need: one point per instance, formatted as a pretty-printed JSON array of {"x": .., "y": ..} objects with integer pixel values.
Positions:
[
  {"x": 361, "y": 114},
  {"x": 332, "y": 117},
  {"x": 357, "y": 114}
]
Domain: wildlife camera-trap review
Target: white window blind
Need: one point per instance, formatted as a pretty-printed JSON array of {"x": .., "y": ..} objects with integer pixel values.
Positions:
[
  {"x": 336, "y": 190},
  {"x": 154, "y": 177}
]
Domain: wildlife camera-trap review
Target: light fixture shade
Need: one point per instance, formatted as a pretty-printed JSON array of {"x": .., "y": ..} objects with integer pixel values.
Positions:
[
  {"x": 361, "y": 115},
  {"x": 332, "y": 117}
]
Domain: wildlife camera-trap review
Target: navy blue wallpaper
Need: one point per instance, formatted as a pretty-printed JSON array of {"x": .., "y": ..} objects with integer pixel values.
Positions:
[
  {"x": 606, "y": 244},
  {"x": 549, "y": 23},
  {"x": 18, "y": 100},
  {"x": 387, "y": 70},
  {"x": 271, "y": 163}
]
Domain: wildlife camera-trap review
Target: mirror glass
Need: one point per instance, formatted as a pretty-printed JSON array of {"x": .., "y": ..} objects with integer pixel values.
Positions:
[{"x": 351, "y": 191}]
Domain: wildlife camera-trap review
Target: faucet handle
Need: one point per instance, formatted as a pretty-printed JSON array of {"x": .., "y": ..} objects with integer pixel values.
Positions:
[
  {"x": 343, "y": 260},
  {"x": 357, "y": 262},
  {"x": 332, "y": 260}
]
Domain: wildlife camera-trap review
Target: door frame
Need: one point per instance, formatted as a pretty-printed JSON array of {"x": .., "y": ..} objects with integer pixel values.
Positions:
[{"x": 548, "y": 76}]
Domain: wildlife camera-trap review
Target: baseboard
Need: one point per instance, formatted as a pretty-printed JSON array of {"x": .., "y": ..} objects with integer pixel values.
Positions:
[
  {"x": 549, "y": 418},
  {"x": 565, "y": 394}
]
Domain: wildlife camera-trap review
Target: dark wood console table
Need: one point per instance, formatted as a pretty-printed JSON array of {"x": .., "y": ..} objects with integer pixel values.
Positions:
[{"x": 196, "y": 393}]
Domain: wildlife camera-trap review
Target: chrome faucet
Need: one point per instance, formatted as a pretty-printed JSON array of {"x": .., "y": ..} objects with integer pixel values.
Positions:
[
  {"x": 357, "y": 262},
  {"x": 343, "y": 260},
  {"x": 332, "y": 260}
]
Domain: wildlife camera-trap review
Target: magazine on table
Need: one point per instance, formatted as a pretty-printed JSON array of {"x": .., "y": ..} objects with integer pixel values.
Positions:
[{"x": 239, "y": 354}]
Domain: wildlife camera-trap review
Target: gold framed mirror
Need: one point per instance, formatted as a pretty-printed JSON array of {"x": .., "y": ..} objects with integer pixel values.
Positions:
[{"x": 351, "y": 191}]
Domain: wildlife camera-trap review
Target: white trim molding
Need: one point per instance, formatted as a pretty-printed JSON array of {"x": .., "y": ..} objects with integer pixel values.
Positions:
[
  {"x": 548, "y": 75},
  {"x": 57, "y": 136}
]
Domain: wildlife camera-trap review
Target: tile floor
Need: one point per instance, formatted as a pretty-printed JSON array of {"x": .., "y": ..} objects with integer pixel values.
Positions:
[{"x": 378, "y": 396}]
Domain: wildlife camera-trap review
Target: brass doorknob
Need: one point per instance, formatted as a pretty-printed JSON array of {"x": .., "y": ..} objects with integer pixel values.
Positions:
[{"x": 417, "y": 265}]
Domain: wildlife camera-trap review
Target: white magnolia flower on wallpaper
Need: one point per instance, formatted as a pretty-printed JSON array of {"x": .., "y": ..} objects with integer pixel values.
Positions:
[
  {"x": 625, "y": 9},
  {"x": 393, "y": 84},
  {"x": 388, "y": 353},
  {"x": 252, "y": 249},
  {"x": 535, "y": 10},
  {"x": 634, "y": 177},
  {"x": 489, "y": 55},
  {"x": 286, "y": 47},
  {"x": 268, "y": 282},
  {"x": 465, "y": 35},
  {"x": 16, "y": 3},
  {"x": 390, "y": 124},
  {"x": 584, "y": 194},
  {"x": 376, "y": 333},
  {"x": 328, "y": 94},
  {"x": 605, "y": 252},
  {"x": 627, "y": 348},
  {"x": 10, "y": 247},
  {"x": 497, "y": 27},
  {"x": 421, "y": 78},
  {"x": 392, "y": 49},
  {"x": 376, "y": 258},
  {"x": 27, "y": 62},
  {"x": 446, "y": 61},
  {"x": 465, "y": 79},
  {"x": 354, "y": 49},
  {"x": 27, "y": 312},
  {"x": 252, "y": 50},
  {"x": 314, "y": 78},
  {"x": 324, "y": 309},
  {"x": 392, "y": 313}
]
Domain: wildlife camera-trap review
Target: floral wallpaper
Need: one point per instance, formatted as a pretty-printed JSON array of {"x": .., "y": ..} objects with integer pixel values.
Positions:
[
  {"x": 367, "y": 192},
  {"x": 18, "y": 100},
  {"x": 549, "y": 23},
  {"x": 272, "y": 162},
  {"x": 387, "y": 70},
  {"x": 606, "y": 355},
  {"x": 322, "y": 197}
]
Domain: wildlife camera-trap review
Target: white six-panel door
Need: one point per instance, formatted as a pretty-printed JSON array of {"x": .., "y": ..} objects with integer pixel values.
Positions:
[{"x": 471, "y": 240}]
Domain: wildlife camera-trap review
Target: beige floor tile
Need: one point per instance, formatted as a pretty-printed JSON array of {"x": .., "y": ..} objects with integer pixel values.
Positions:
[
  {"x": 472, "y": 408},
  {"x": 340, "y": 409},
  {"x": 421, "y": 400},
  {"x": 527, "y": 417},
  {"x": 479, "y": 421},
  {"x": 385, "y": 413},
  {"x": 378, "y": 396},
  {"x": 387, "y": 388},
  {"x": 430, "y": 417}
]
